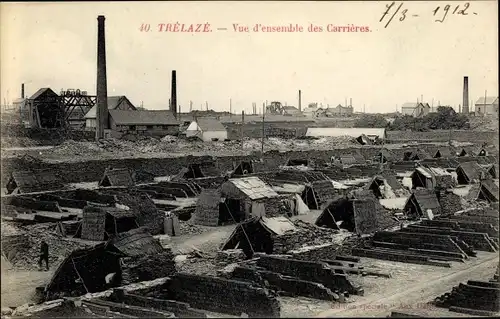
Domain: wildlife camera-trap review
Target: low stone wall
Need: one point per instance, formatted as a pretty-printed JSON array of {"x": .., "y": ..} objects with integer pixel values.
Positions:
[
  {"x": 310, "y": 271},
  {"x": 284, "y": 284},
  {"x": 442, "y": 136},
  {"x": 223, "y": 295}
]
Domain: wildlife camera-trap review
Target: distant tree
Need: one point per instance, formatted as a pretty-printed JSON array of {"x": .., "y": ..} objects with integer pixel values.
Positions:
[
  {"x": 371, "y": 121},
  {"x": 444, "y": 119}
]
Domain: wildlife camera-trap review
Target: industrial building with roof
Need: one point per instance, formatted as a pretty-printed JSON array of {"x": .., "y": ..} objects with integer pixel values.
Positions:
[
  {"x": 207, "y": 129},
  {"x": 114, "y": 103},
  {"x": 149, "y": 123},
  {"x": 415, "y": 109},
  {"x": 487, "y": 105}
]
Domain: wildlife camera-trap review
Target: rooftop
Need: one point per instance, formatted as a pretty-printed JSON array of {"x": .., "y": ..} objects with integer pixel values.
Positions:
[
  {"x": 254, "y": 187},
  {"x": 132, "y": 117}
]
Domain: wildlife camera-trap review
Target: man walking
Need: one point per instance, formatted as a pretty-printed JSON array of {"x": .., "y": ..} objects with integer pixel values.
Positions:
[{"x": 44, "y": 255}]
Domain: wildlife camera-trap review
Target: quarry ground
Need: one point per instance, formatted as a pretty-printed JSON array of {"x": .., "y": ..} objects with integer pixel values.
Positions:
[{"x": 409, "y": 289}]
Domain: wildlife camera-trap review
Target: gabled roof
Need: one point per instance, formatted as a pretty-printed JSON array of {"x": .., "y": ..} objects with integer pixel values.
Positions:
[
  {"x": 209, "y": 124},
  {"x": 430, "y": 172},
  {"x": 472, "y": 170},
  {"x": 131, "y": 117},
  {"x": 40, "y": 92},
  {"x": 117, "y": 177},
  {"x": 488, "y": 190},
  {"x": 412, "y": 105},
  {"x": 426, "y": 199},
  {"x": 489, "y": 100},
  {"x": 113, "y": 103},
  {"x": 253, "y": 187},
  {"x": 136, "y": 242}
]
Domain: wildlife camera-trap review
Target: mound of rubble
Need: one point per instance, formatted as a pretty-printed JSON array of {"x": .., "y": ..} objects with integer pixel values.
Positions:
[{"x": 21, "y": 245}]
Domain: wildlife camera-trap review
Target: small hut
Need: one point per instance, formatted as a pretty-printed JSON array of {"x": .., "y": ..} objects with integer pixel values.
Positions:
[
  {"x": 468, "y": 172},
  {"x": 117, "y": 177},
  {"x": 384, "y": 156},
  {"x": 443, "y": 153},
  {"x": 101, "y": 223},
  {"x": 419, "y": 155},
  {"x": 431, "y": 177},
  {"x": 488, "y": 191},
  {"x": 236, "y": 200},
  {"x": 355, "y": 215},
  {"x": 258, "y": 234},
  {"x": 481, "y": 152},
  {"x": 462, "y": 153},
  {"x": 318, "y": 193},
  {"x": 385, "y": 185},
  {"x": 32, "y": 181},
  {"x": 492, "y": 170},
  {"x": 247, "y": 167},
  {"x": 420, "y": 201},
  {"x": 199, "y": 170}
]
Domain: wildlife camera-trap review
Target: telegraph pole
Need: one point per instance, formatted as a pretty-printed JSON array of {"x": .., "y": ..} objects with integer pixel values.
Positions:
[
  {"x": 242, "y": 124},
  {"x": 263, "y": 132}
]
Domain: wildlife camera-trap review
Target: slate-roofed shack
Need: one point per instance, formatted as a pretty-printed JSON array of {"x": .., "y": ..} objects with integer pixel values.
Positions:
[
  {"x": 318, "y": 193},
  {"x": 488, "y": 191},
  {"x": 100, "y": 223},
  {"x": 242, "y": 168},
  {"x": 83, "y": 271},
  {"x": 481, "y": 152},
  {"x": 32, "y": 181},
  {"x": 299, "y": 176},
  {"x": 468, "y": 172},
  {"x": 419, "y": 155},
  {"x": 117, "y": 177},
  {"x": 492, "y": 170},
  {"x": 431, "y": 177},
  {"x": 258, "y": 234},
  {"x": 463, "y": 152},
  {"x": 236, "y": 200},
  {"x": 385, "y": 185},
  {"x": 420, "y": 201},
  {"x": 443, "y": 152},
  {"x": 144, "y": 257},
  {"x": 384, "y": 156},
  {"x": 199, "y": 170},
  {"x": 361, "y": 216}
]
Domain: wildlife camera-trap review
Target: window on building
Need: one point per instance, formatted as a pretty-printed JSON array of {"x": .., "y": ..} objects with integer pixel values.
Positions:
[
  {"x": 132, "y": 127},
  {"x": 149, "y": 127}
]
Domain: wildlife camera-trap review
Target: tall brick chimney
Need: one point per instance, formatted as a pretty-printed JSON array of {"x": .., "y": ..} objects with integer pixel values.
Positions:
[
  {"x": 102, "y": 86},
  {"x": 465, "y": 102},
  {"x": 300, "y": 101},
  {"x": 173, "y": 94},
  {"x": 22, "y": 90}
]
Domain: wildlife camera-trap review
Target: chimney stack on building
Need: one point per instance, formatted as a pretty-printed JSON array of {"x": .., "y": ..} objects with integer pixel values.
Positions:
[
  {"x": 350, "y": 102},
  {"x": 173, "y": 94},
  {"x": 102, "y": 122},
  {"x": 465, "y": 102},
  {"x": 300, "y": 101},
  {"x": 22, "y": 90}
]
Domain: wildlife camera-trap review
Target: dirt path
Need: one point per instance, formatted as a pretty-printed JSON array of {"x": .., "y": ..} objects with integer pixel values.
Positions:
[
  {"x": 18, "y": 287},
  {"x": 208, "y": 241},
  {"x": 414, "y": 297}
]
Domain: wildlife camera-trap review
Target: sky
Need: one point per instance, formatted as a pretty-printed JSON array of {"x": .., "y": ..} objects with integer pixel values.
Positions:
[{"x": 55, "y": 44}]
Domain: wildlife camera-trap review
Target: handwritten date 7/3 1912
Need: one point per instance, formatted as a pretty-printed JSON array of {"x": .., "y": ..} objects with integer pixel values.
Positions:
[{"x": 440, "y": 13}]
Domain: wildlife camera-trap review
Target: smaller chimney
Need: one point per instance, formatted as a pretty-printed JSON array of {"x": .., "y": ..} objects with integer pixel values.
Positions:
[
  {"x": 22, "y": 90},
  {"x": 300, "y": 101},
  {"x": 173, "y": 94},
  {"x": 465, "y": 102}
]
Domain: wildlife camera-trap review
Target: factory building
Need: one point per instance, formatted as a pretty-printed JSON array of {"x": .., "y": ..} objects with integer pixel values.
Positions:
[
  {"x": 145, "y": 123},
  {"x": 114, "y": 103}
]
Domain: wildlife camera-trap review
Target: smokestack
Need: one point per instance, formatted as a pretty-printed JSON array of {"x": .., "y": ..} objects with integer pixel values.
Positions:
[
  {"x": 173, "y": 94},
  {"x": 465, "y": 102},
  {"x": 350, "y": 102},
  {"x": 102, "y": 87},
  {"x": 22, "y": 90},
  {"x": 300, "y": 101}
]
